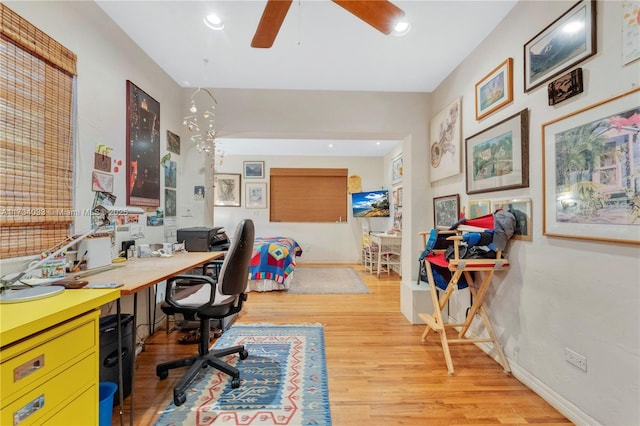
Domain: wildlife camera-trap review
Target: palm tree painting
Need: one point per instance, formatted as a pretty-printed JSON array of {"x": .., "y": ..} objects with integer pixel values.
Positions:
[{"x": 598, "y": 171}]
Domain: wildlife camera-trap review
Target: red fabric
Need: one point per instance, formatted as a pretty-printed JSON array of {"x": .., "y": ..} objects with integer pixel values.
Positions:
[{"x": 485, "y": 221}]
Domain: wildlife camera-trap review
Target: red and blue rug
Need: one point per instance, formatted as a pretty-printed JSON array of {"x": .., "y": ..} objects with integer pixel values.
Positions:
[{"x": 283, "y": 381}]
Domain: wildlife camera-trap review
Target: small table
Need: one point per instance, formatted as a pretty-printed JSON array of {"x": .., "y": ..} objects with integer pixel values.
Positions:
[{"x": 389, "y": 246}]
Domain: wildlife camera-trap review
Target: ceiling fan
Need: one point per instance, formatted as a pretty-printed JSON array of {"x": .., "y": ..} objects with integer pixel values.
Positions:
[{"x": 380, "y": 14}]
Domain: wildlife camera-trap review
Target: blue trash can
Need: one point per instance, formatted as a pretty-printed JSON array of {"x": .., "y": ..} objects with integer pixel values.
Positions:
[{"x": 107, "y": 390}]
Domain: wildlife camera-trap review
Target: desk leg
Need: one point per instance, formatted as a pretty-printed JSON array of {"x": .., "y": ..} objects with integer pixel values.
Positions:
[
  {"x": 133, "y": 357},
  {"x": 120, "y": 379}
]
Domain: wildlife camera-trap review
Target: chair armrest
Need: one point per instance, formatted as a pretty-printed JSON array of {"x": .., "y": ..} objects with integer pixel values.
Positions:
[
  {"x": 188, "y": 281},
  {"x": 215, "y": 266}
]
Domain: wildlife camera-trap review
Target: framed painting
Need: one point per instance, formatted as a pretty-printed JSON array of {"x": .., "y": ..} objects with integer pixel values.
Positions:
[
  {"x": 253, "y": 169},
  {"x": 565, "y": 87},
  {"x": 256, "y": 195},
  {"x": 446, "y": 141},
  {"x": 446, "y": 211},
  {"x": 564, "y": 43},
  {"x": 495, "y": 90},
  {"x": 226, "y": 189},
  {"x": 396, "y": 169},
  {"x": 170, "y": 202},
  {"x": 478, "y": 208},
  {"x": 400, "y": 197},
  {"x": 591, "y": 159},
  {"x": 143, "y": 148},
  {"x": 173, "y": 142},
  {"x": 170, "y": 174},
  {"x": 521, "y": 209},
  {"x": 498, "y": 158},
  {"x": 630, "y": 31}
]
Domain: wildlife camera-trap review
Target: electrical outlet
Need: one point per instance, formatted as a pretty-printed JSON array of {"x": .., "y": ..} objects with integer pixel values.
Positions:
[{"x": 576, "y": 359}]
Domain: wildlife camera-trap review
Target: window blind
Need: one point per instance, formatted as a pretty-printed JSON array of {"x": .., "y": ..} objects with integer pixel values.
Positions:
[{"x": 36, "y": 138}]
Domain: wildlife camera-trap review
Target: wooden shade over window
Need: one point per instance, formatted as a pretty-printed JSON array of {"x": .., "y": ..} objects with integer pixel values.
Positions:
[
  {"x": 308, "y": 195},
  {"x": 36, "y": 138}
]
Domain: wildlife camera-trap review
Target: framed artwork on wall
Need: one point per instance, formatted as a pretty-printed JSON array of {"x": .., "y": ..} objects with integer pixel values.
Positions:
[
  {"x": 446, "y": 141},
  {"x": 101, "y": 182},
  {"x": 478, "y": 208},
  {"x": 565, "y": 87},
  {"x": 256, "y": 195},
  {"x": 521, "y": 209},
  {"x": 226, "y": 189},
  {"x": 253, "y": 169},
  {"x": 396, "y": 169},
  {"x": 498, "y": 158},
  {"x": 495, "y": 90},
  {"x": 143, "y": 148},
  {"x": 590, "y": 172},
  {"x": 564, "y": 43},
  {"x": 173, "y": 142},
  {"x": 446, "y": 211},
  {"x": 630, "y": 31}
]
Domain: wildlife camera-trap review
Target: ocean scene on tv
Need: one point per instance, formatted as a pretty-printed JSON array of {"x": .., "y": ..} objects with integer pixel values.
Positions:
[{"x": 370, "y": 204}]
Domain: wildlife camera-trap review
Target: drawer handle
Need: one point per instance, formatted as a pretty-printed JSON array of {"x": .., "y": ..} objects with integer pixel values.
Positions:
[
  {"x": 22, "y": 371},
  {"x": 33, "y": 406}
]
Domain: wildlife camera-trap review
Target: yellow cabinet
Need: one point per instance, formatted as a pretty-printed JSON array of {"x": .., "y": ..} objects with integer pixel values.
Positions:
[{"x": 51, "y": 375}]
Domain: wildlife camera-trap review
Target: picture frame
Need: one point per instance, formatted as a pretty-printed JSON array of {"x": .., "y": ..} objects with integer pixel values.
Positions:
[
  {"x": 497, "y": 158},
  {"x": 495, "y": 90},
  {"x": 565, "y": 87},
  {"x": 170, "y": 202},
  {"x": 630, "y": 31},
  {"x": 396, "y": 169},
  {"x": 590, "y": 188},
  {"x": 101, "y": 182},
  {"x": 143, "y": 148},
  {"x": 256, "y": 195},
  {"x": 522, "y": 210},
  {"x": 226, "y": 190},
  {"x": 173, "y": 142},
  {"x": 446, "y": 141},
  {"x": 400, "y": 197},
  {"x": 554, "y": 50},
  {"x": 478, "y": 208},
  {"x": 253, "y": 169},
  {"x": 446, "y": 211}
]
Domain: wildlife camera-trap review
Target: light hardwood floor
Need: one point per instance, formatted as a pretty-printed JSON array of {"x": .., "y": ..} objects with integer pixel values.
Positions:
[{"x": 380, "y": 373}]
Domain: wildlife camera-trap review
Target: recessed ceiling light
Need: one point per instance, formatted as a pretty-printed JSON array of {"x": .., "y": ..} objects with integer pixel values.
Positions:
[
  {"x": 401, "y": 28},
  {"x": 214, "y": 22}
]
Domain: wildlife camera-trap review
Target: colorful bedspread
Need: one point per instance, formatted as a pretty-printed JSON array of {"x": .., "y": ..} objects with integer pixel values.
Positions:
[{"x": 273, "y": 258}]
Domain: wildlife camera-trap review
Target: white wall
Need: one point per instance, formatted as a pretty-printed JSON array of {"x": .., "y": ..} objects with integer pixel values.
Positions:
[{"x": 560, "y": 292}]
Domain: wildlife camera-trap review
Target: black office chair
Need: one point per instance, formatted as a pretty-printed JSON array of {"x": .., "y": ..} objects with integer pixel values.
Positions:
[{"x": 226, "y": 295}]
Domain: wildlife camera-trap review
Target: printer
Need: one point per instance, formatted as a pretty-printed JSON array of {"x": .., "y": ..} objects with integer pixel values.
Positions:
[{"x": 202, "y": 238}]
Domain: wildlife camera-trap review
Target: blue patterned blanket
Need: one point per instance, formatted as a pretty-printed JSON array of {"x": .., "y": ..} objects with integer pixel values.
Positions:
[{"x": 273, "y": 258}]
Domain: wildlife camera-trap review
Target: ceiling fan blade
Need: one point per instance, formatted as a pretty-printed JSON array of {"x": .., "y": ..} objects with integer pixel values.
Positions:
[
  {"x": 270, "y": 23},
  {"x": 380, "y": 14}
]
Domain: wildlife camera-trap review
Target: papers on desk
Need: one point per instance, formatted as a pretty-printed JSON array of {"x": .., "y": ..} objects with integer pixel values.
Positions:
[{"x": 104, "y": 285}]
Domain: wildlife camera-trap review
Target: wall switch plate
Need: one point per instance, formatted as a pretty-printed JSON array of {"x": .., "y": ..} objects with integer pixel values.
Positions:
[{"x": 576, "y": 359}]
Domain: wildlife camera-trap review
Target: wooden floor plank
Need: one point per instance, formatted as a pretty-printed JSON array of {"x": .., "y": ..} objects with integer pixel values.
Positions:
[{"x": 380, "y": 373}]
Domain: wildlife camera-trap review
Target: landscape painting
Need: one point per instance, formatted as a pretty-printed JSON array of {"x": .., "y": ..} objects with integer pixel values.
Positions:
[{"x": 371, "y": 204}]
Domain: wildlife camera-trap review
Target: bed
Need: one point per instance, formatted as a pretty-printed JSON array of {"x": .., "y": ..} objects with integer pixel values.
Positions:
[{"x": 272, "y": 263}]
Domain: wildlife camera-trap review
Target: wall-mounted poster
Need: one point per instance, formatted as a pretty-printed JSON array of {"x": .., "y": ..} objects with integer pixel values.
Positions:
[
  {"x": 170, "y": 174},
  {"x": 143, "y": 148},
  {"x": 446, "y": 139},
  {"x": 173, "y": 142}
]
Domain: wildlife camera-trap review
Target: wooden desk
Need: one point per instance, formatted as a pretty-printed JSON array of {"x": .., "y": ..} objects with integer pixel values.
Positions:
[
  {"x": 49, "y": 357},
  {"x": 139, "y": 274},
  {"x": 389, "y": 246}
]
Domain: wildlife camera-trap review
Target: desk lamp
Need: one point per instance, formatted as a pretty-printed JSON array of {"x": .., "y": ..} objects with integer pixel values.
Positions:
[{"x": 10, "y": 295}]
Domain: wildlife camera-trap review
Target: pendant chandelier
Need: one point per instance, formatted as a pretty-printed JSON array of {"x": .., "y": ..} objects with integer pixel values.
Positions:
[{"x": 201, "y": 123}]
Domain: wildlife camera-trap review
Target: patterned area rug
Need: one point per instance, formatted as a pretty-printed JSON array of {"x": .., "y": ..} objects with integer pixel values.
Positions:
[
  {"x": 326, "y": 280},
  {"x": 283, "y": 381}
]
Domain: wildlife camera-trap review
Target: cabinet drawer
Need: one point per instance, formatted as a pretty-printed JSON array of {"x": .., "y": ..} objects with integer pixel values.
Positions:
[
  {"x": 41, "y": 356},
  {"x": 44, "y": 401},
  {"x": 82, "y": 411}
]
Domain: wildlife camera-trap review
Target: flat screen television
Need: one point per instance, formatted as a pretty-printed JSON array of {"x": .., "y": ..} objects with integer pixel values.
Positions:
[{"x": 371, "y": 204}]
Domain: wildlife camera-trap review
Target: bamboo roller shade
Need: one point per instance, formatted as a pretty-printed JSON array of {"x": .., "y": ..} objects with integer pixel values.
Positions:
[
  {"x": 308, "y": 195},
  {"x": 36, "y": 138}
]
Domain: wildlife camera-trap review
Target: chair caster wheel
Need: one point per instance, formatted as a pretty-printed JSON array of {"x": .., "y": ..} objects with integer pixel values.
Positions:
[
  {"x": 235, "y": 382},
  {"x": 162, "y": 374},
  {"x": 179, "y": 399},
  {"x": 244, "y": 354}
]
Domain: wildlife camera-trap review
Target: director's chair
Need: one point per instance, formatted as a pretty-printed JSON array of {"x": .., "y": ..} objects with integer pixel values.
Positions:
[{"x": 478, "y": 282}]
